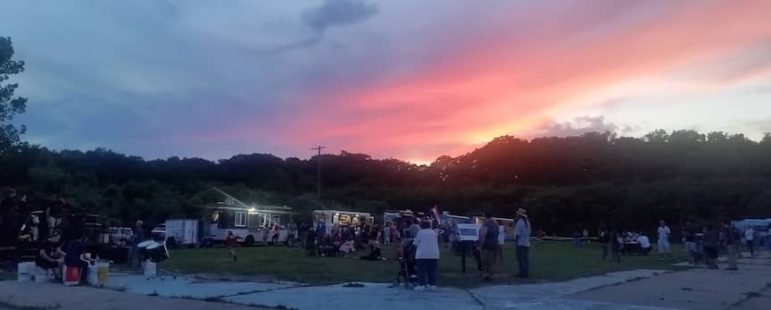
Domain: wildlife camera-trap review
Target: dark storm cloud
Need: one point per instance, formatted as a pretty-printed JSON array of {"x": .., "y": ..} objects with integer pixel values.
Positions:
[{"x": 338, "y": 13}]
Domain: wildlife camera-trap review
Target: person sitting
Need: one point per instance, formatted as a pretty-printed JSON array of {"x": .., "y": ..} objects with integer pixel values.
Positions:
[
  {"x": 50, "y": 256},
  {"x": 347, "y": 247},
  {"x": 375, "y": 252},
  {"x": 645, "y": 244},
  {"x": 77, "y": 257},
  {"x": 327, "y": 247}
]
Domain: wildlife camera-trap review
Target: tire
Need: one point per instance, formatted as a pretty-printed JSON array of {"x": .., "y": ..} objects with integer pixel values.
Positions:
[{"x": 249, "y": 240}]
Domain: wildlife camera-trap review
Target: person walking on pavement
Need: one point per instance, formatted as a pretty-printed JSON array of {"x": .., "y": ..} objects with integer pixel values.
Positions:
[{"x": 522, "y": 237}]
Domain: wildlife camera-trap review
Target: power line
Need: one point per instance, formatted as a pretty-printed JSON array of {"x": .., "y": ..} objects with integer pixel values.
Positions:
[{"x": 318, "y": 172}]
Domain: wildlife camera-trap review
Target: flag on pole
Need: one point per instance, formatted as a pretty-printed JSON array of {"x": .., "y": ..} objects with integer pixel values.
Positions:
[{"x": 435, "y": 211}]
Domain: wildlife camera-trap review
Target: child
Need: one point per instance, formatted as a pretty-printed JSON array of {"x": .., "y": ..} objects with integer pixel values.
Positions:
[{"x": 230, "y": 242}]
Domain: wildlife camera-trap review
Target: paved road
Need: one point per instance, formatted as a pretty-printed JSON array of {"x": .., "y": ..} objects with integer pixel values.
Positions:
[
  {"x": 15, "y": 295},
  {"x": 748, "y": 288}
]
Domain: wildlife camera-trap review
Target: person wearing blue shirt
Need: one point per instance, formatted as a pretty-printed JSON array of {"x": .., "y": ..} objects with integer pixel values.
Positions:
[{"x": 522, "y": 237}]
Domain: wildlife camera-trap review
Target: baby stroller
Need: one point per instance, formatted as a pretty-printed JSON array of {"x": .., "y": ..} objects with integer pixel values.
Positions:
[{"x": 406, "y": 258}]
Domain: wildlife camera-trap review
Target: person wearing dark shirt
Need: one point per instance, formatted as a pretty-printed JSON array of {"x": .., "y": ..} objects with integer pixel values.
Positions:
[
  {"x": 604, "y": 241},
  {"x": 11, "y": 210},
  {"x": 615, "y": 246},
  {"x": 711, "y": 246},
  {"x": 488, "y": 246},
  {"x": 689, "y": 238},
  {"x": 77, "y": 257},
  {"x": 729, "y": 242},
  {"x": 139, "y": 237},
  {"x": 230, "y": 242},
  {"x": 375, "y": 252},
  {"x": 76, "y": 250},
  {"x": 50, "y": 255}
]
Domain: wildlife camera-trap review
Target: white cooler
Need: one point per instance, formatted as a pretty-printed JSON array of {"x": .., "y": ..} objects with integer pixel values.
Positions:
[{"x": 24, "y": 271}]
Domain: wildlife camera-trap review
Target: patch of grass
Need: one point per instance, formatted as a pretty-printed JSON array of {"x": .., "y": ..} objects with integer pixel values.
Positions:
[{"x": 549, "y": 260}]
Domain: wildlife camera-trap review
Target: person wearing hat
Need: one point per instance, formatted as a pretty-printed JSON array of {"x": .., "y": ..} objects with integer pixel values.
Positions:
[{"x": 522, "y": 237}]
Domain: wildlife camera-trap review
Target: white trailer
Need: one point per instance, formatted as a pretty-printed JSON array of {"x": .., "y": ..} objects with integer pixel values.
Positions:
[{"x": 182, "y": 232}]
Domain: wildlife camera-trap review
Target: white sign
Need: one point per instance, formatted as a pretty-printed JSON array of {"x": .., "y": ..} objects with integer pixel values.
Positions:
[{"x": 468, "y": 232}]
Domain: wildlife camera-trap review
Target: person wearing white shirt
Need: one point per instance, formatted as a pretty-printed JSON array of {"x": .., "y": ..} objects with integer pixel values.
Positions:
[
  {"x": 645, "y": 244},
  {"x": 663, "y": 242},
  {"x": 749, "y": 236},
  {"x": 426, "y": 256}
]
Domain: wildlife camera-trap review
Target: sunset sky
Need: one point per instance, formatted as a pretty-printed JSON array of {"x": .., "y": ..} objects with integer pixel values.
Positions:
[{"x": 400, "y": 78}]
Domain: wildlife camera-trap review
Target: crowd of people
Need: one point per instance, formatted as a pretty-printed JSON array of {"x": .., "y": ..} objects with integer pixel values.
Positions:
[
  {"x": 49, "y": 230},
  {"x": 58, "y": 242},
  {"x": 418, "y": 242},
  {"x": 705, "y": 241}
]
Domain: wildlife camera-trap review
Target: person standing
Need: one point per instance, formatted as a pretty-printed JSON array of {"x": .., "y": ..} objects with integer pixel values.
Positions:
[
  {"x": 664, "y": 248},
  {"x": 710, "y": 242},
  {"x": 729, "y": 243},
  {"x": 231, "y": 241},
  {"x": 139, "y": 237},
  {"x": 749, "y": 236},
  {"x": 387, "y": 233},
  {"x": 275, "y": 232},
  {"x": 501, "y": 242},
  {"x": 413, "y": 229},
  {"x": 604, "y": 241},
  {"x": 689, "y": 238},
  {"x": 768, "y": 238},
  {"x": 616, "y": 241},
  {"x": 426, "y": 242},
  {"x": 488, "y": 246},
  {"x": 522, "y": 237}
]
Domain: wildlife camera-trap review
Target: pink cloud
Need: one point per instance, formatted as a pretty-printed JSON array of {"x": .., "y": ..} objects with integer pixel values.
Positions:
[{"x": 513, "y": 75}]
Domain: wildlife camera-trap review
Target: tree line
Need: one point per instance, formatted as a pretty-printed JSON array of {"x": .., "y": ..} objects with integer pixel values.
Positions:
[{"x": 566, "y": 183}]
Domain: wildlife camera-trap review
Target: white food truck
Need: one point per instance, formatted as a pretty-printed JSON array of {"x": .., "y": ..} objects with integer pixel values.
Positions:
[
  {"x": 341, "y": 218},
  {"x": 252, "y": 225}
]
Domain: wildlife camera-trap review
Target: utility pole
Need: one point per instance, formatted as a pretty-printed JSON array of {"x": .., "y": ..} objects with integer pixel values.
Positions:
[{"x": 318, "y": 171}]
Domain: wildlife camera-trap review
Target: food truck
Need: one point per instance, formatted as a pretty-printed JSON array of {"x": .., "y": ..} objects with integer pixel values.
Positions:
[
  {"x": 402, "y": 218},
  {"x": 330, "y": 218},
  {"x": 253, "y": 225}
]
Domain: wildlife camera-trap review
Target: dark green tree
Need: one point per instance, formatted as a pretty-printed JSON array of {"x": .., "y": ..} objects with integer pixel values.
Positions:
[{"x": 9, "y": 104}]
